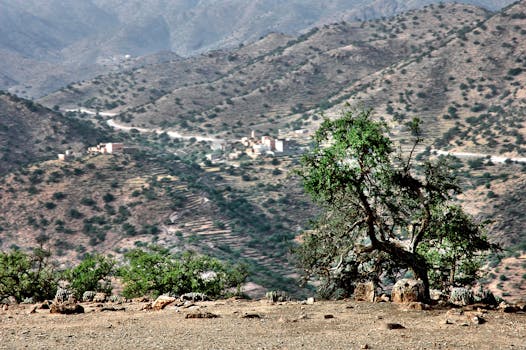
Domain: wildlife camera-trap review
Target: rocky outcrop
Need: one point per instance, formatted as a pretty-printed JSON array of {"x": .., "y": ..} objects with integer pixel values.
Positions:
[
  {"x": 365, "y": 292},
  {"x": 408, "y": 290}
]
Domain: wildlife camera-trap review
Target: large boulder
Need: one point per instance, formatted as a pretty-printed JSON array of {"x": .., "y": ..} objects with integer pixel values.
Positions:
[
  {"x": 66, "y": 308},
  {"x": 407, "y": 291},
  {"x": 365, "y": 292},
  {"x": 162, "y": 301}
]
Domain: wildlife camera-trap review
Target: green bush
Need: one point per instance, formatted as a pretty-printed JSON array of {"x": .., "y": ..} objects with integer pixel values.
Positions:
[
  {"x": 92, "y": 274},
  {"x": 156, "y": 271},
  {"x": 25, "y": 275}
]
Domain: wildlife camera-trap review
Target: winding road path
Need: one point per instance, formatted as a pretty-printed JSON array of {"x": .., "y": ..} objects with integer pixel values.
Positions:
[
  {"x": 112, "y": 123},
  {"x": 467, "y": 155}
]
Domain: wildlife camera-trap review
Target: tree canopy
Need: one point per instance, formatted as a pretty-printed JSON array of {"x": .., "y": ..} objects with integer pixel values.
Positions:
[{"x": 383, "y": 213}]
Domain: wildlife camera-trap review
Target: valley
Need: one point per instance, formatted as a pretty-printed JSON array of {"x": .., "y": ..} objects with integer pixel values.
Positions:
[{"x": 460, "y": 68}]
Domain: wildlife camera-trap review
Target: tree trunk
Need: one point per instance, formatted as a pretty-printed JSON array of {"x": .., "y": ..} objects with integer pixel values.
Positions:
[{"x": 421, "y": 273}]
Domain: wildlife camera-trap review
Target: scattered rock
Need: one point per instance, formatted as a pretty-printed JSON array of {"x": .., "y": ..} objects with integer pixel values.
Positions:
[
  {"x": 437, "y": 295},
  {"x": 391, "y": 326},
  {"x": 188, "y": 304},
  {"x": 328, "y": 316},
  {"x": 415, "y": 306},
  {"x": 5, "y": 307},
  {"x": 507, "y": 308},
  {"x": 365, "y": 346},
  {"x": 33, "y": 309},
  {"x": 100, "y": 298},
  {"x": 66, "y": 308},
  {"x": 461, "y": 296},
  {"x": 88, "y": 296},
  {"x": 194, "y": 297},
  {"x": 111, "y": 308},
  {"x": 141, "y": 300},
  {"x": 147, "y": 306},
  {"x": 455, "y": 312},
  {"x": 116, "y": 299},
  {"x": 250, "y": 315},
  {"x": 478, "y": 307},
  {"x": 484, "y": 296},
  {"x": 365, "y": 292},
  {"x": 310, "y": 301},
  {"x": 9, "y": 301},
  {"x": 277, "y": 296},
  {"x": 162, "y": 301},
  {"x": 45, "y": 305},
  {"x": 201, "y": 315},
  {"x": 408, "y": 290},
  {"x": 63, "y": 294},
  {"x": 478, "y": 320},
  {"x": 384, "y": 298}
]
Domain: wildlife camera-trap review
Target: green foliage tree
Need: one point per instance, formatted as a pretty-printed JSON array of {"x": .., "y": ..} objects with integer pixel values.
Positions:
[
  {"x": 92, "y": 274},
  {"x": 156, "y": 271},
  {"x": 382, "y": 213},
  {"x": 25, "y": 275}
]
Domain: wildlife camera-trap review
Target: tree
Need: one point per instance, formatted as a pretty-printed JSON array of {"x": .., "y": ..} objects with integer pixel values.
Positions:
[
  {"x": 92, "y": 274},
  {"x": 383, "y": 214},
  {"x": 25, "y": 275}
]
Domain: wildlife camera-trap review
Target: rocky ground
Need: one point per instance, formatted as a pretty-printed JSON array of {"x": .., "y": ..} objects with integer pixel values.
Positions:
[{"x": 261, "y": 325}]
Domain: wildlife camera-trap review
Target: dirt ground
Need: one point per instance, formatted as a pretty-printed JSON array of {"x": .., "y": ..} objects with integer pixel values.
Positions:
[{"x": 323, "y": 325}]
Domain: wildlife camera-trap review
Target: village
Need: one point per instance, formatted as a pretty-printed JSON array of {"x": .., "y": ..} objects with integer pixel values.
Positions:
[
  {"x": 253, "y": 147},
  {"x": 101, "y": 148}
]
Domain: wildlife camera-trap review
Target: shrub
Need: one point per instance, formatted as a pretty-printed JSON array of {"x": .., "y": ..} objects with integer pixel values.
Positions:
[
  {"x": 155, "y": 271},
  {"x": 87, "y": 201},
  {"x": 59, "y": 195},
  {"x": 108, "y": 197},
  {"x": 92, "y": 274},
  {"x": 75, "y": 214}
]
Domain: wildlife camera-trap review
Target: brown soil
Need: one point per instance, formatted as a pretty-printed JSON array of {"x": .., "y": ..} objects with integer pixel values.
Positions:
[{"x": 354, "y": 325}]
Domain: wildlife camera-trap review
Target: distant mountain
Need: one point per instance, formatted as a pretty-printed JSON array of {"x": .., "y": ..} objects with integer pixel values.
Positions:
[{"x": 58, "y": 42}]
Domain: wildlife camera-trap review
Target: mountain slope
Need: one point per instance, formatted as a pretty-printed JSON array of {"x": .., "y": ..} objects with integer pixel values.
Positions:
[
  {"x": 471, "y": 92},
  {"x": 273, "y": 89},
  {"x": 30, "y": 132},
  {"x": 57, "y": 37}
]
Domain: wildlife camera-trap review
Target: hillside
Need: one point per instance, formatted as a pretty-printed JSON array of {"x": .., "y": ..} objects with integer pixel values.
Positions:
[
  {"x": 471, "y": 92},
  {"x": 275, "y": 88},
  {"x": 60, "y": 42},
  {"x": 30, "y": 132},
  {"x": 113, "y": 203},
  {"x": 457, "y": 67}
]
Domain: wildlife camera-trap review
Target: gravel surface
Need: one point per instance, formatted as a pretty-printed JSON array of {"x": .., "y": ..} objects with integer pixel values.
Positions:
[{"x": 323, "y": 325}]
